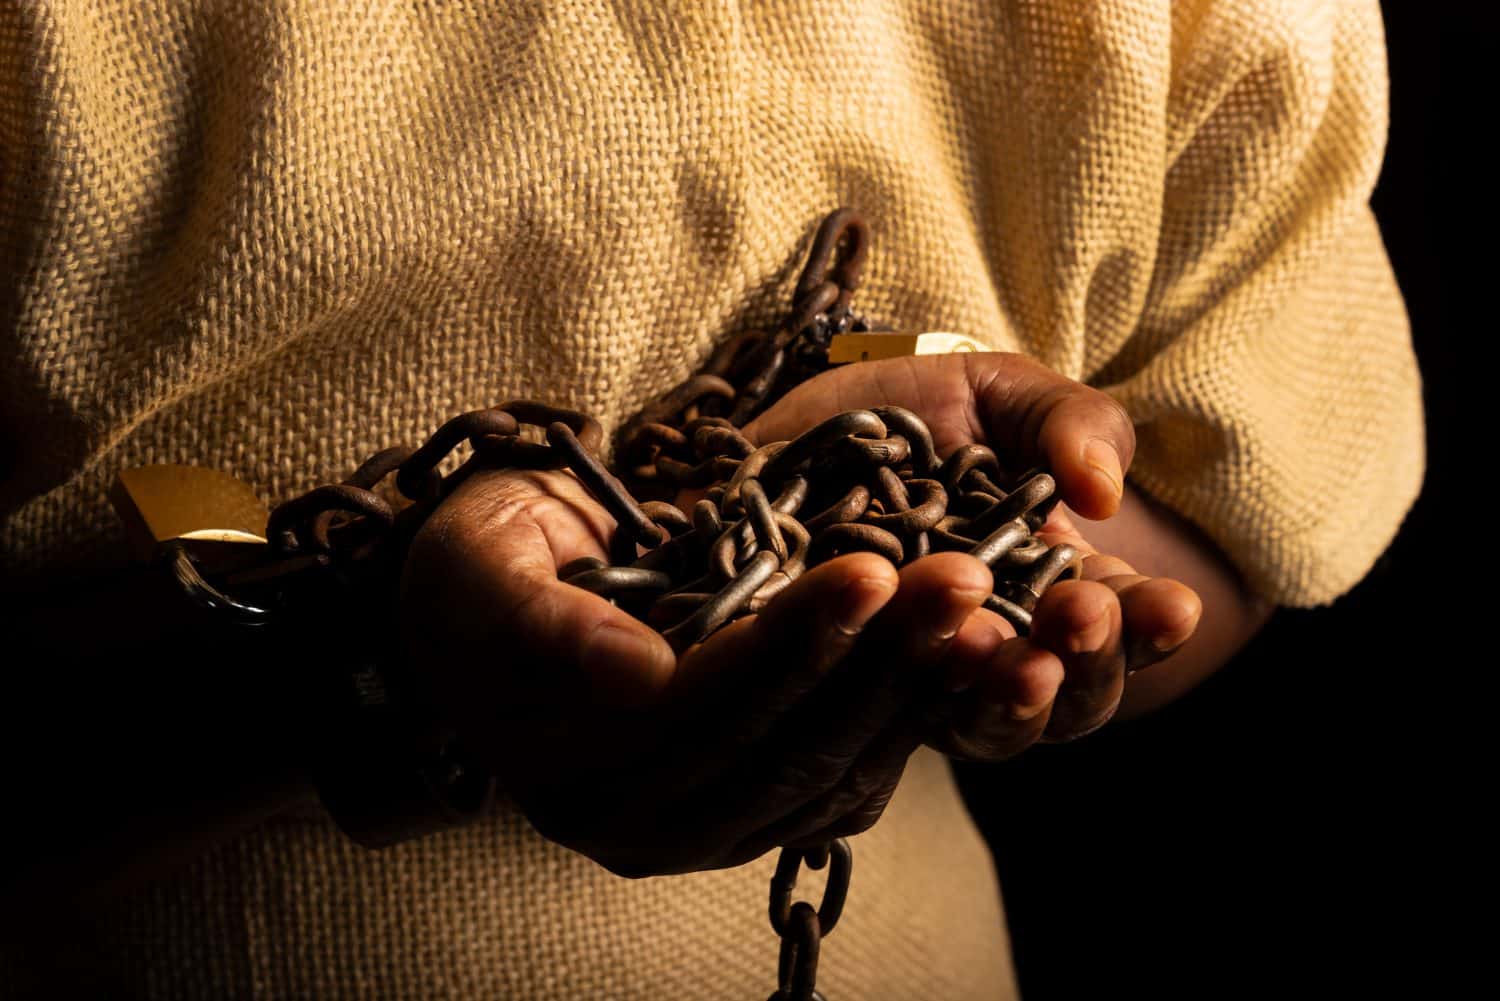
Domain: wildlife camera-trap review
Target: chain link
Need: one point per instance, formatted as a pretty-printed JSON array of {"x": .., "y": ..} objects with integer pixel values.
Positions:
[
  {"x": 802, "y": 929},
  {"x": 870, "y": 479}
]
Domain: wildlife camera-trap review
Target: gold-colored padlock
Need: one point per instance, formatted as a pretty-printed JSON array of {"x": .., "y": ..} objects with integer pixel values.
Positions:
[
  {"x": 216, "y": 517},
  {"x": 875, "y": 345}
]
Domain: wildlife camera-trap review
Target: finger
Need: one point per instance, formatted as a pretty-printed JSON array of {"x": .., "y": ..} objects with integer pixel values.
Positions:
[
  {"x": 484, "y": 572},
  {"x": 1083, "y": 437},
  {"x": 1101, "y": 567},
  {"x": 862, "y": 793},
  {"x": 1080, "y": 622},
  {"x": 812, "y": 747},
  {"x": 1009, "y": 707},
  {"x": 1158, "y": 615},
  {"x": 739, "y": 683},
  {"x": 970, "y": 652},
  {"x": 909, "y": 640},
  {"x": 795, "y": 639}
]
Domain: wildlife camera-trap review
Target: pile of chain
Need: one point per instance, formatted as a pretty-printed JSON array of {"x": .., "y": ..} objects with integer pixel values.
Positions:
[{"x": 861, "y": 481}]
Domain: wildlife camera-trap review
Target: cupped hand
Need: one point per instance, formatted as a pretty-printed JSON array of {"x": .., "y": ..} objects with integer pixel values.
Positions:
[
  {"x": 790, "y": 726},
  {"x": 1067, "y": 677}
]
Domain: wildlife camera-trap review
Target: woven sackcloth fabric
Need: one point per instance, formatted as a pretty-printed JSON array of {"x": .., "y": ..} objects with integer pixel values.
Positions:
[
  {"x": 494, "y": 911},
  {"x": 271, "y": 237}
]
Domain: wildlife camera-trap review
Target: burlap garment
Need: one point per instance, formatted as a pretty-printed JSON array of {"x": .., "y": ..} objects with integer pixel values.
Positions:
[{"x": 272, "y": 237}]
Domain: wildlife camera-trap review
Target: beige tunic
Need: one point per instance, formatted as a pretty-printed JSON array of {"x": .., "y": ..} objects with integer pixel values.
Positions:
[{"x": 272, "y": 237}]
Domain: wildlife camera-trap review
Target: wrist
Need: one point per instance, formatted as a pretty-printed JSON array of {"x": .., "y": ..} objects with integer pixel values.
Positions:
[
  {"x": 369, "y": 743},
  {"x": 1160, "y": 543}
]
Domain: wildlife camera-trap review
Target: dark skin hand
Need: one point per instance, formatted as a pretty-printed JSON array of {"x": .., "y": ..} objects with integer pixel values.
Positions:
[
  {"x": 787, "y": 727},
  {"x": 1147, "y": 576},
  {"x": 750, "y": 739}
]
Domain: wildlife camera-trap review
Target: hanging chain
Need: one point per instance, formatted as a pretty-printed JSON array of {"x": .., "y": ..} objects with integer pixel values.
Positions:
[
  {"x": 801, "y": 928},
  {"x": 863, "y": 480},
  {"x": 747, "y": 373}
]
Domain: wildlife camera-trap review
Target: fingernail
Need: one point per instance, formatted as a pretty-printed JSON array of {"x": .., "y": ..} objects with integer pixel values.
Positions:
[
  {"x": 968, "y": 598},
  {"x": 860, "y": 599},
  {"x": 1105, "y": 463},
  {"x": 1169, "y": 642},
  {"x": 1092, "y": 636},
  {"x": 1178, "y": 631},
  {"x": 1021, "y": 713}
]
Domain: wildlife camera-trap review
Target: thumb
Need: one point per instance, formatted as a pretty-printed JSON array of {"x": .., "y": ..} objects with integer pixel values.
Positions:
[
  {"x": 481, "y": 593},
  {"x": 1084, "y": 437},
  {"x": 1018, "y": 406}
]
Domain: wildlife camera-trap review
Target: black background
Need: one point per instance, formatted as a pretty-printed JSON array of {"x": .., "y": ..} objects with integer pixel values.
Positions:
[{"x": 1278, "y": 830}]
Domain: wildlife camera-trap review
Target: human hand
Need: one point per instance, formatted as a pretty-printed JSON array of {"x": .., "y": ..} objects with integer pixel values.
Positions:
[
  {"x": 1067, "y": 677},
  {"x": 785, "y": 727}
]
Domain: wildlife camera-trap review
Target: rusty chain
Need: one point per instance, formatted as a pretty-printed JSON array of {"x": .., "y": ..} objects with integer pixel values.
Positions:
[
  {"x": 863, "y": 480},
  {"x": 802, "y": 929}
]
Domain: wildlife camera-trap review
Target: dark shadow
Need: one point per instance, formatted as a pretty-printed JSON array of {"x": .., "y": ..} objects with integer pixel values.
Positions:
[{"x": 1261, "y": 834}]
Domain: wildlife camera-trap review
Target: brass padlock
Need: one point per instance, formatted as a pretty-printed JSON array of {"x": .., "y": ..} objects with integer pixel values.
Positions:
[
  {"x": 215, "y": 517},
  {"x": 875, "y": 345}
]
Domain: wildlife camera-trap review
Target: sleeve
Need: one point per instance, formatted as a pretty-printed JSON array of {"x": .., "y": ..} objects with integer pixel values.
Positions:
[{"x": 1271, "y": 377}]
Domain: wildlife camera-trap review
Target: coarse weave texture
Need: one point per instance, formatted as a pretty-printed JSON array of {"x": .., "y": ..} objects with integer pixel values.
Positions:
[
  {"x": 273, "y": 237},
  {"x": 495, "y": 911}
]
